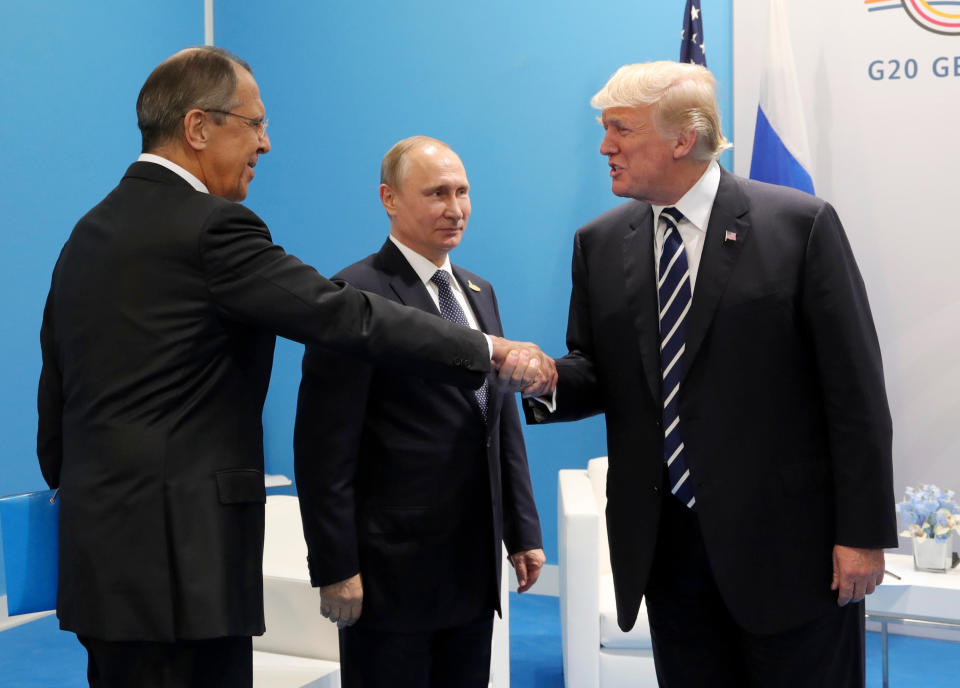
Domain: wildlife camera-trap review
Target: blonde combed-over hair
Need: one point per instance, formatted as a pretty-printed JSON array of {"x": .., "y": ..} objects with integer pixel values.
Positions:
[{"x": 683, "y": 95}]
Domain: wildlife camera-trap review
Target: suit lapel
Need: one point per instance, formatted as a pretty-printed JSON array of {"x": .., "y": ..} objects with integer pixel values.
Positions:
[
  {"x": 641, "y": 293},
  {"x": 480, "y": 301},
  {"x": 403, "y": 279},
  {"x": 729, "y": 214},
  {"x": 482, "y": 304}
]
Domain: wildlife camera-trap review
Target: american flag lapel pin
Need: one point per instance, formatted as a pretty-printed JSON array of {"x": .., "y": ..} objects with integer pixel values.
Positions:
[{"x": 729, "y": 237}]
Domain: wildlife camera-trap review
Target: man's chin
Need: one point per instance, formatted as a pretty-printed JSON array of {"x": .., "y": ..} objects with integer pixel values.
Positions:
[{"x": 237, "y": 195}]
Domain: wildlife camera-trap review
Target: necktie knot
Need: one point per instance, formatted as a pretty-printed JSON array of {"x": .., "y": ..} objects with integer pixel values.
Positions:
[
  {"x": 671, "y": 216},
  {"x": 441, "y": 279}
]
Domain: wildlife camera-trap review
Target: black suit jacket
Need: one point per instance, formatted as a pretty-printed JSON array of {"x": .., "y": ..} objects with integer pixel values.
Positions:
[
  {"x": 157, "y": 344},
  {"x": 401, "y": 480},
  {"x": 782, "y": 402}
]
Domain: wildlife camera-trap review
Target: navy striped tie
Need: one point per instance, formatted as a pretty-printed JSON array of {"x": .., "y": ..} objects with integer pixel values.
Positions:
[
  {"x": 673, "y": 292},
  {"x": 451, "y": 310}
]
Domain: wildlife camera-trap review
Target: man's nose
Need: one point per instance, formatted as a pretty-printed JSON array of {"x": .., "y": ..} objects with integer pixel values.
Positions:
[
  {"x": 264, "y": 146},
  {"x": 607, "y": 147},
  {"x": 454, "y": 211}
]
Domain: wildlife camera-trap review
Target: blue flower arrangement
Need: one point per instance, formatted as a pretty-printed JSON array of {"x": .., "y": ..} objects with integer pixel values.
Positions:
[{"x": 929, "y": 512}]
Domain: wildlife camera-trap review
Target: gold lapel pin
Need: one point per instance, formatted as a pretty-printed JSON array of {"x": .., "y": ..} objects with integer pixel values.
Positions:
[{"x": 472, "y": 285}]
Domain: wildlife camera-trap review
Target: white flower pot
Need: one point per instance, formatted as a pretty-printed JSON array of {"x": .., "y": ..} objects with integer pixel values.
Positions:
[{"x": 930, "y": 555}]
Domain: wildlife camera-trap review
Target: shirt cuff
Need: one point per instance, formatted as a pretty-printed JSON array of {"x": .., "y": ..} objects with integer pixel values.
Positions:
[
  {"x": 550, "y": 403},
  {"x": 489, "y": 344}
]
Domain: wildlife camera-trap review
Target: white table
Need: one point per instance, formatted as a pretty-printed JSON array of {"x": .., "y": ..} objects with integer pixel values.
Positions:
[{"x": 918, "y": 596}]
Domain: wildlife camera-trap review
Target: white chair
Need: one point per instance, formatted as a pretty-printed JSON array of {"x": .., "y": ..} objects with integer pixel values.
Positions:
[
  {"x": 300, "y": 648},
  {"x": 596, "y": 653}
]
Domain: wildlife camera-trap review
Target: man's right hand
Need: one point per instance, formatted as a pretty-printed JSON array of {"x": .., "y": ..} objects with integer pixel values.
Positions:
[
  {"x": 342, "y": 602},
  {"x": 522, "y": 366}
]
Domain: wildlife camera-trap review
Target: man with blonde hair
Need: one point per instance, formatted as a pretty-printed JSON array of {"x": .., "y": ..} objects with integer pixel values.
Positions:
[
  {"x": 722, "y": 326},
  {"x": 408, "y": 488}
]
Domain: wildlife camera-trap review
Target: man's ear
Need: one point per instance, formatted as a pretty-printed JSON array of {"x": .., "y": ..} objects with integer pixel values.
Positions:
[
  {"x": 686, "y": 140},
  {"x": 388, "y": 197},
  {"x": 195, "y": 129}
]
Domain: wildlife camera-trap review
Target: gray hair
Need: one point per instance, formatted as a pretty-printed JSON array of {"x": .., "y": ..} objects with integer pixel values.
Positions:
[
  {"x": 200, "y": 77},
  {"x": 684, "y": 96}
]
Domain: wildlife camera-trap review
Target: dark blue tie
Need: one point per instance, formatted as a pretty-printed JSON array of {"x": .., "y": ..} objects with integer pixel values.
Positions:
[
  {"x": 450, "y": 309},
  {"x": 673, "y": 292}
]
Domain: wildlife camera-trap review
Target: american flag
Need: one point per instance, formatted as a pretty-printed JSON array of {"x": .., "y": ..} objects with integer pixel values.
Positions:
[{"x": 692, "y": 47}]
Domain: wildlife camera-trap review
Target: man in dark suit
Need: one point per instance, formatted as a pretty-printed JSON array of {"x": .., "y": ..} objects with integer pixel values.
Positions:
[
  {"x": 407, "y": 487},
  {"x": 732, "y": 350},
  {"x": 157, "y": 345}
]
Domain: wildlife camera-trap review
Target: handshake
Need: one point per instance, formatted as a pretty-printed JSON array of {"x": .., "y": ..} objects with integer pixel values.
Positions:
[{"x": 523, "y": 367}]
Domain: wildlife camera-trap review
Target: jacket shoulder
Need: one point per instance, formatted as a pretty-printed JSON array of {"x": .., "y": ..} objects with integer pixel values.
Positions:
[
  {"x": 364, "y": 274},
  {"x": 616, "y": 220},
  {"x": 761, "y": 195}
]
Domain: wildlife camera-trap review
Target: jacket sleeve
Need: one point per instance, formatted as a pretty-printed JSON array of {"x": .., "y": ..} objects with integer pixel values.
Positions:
[
  {"x": 331, "y": 408},
  {"x": 521, "y": 524},
  {"x": 252, "y": 280},
  {"x": 840, "y": 324},
  {"x": 578, "y": 391}
]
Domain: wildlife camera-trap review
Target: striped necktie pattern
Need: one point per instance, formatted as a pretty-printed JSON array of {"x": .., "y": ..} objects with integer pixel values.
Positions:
[{"x": 674, "y": 296}]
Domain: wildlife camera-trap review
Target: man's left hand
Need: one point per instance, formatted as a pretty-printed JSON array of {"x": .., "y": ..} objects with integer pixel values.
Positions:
[
  {"x": 856, "y": 572},
  {"x": 527, "y": 565}
]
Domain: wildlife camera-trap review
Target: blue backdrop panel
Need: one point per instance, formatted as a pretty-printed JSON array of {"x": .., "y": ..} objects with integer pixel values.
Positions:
[{"x": 68, "y": 89}]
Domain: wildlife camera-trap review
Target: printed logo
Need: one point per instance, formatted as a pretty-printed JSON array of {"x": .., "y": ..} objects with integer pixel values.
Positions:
[{"x": 938, "y": 16}]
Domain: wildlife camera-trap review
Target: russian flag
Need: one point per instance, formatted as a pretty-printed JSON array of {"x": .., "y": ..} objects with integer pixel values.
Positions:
[{"x": 780, "y": 151}]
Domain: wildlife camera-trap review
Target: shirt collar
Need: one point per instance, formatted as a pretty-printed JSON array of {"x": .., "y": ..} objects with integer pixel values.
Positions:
[
  {"x": 424, "y": 267},
  {"x": 697, "y": 203},
  {"x": 175, "y": 168}
]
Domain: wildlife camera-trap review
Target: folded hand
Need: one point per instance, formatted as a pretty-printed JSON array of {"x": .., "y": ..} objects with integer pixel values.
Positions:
[{"x": 342, "y": 602}]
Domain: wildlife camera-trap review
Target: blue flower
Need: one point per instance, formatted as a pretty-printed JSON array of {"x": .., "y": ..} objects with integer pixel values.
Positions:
[{"x": 930, "y": 512}]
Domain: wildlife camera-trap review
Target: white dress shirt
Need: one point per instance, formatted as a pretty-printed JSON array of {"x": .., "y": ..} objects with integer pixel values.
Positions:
[
  {"x": 696, "y": 206},
  {"x": 175, "y": 168}
]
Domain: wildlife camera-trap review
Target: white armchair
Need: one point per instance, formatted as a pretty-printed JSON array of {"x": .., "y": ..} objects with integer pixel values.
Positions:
[
  {"x": 596, "y": 653},
  {"x": 301, "y": 648}
]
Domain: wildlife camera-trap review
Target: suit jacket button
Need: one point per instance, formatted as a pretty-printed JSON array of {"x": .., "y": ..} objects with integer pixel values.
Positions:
[
  {"x": 656, "y": 489},
  {"x": 489, "y": 442}
]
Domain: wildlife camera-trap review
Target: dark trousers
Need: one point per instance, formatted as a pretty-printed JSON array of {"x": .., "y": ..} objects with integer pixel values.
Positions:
[
  {"x": 697, "y": 643},
  {"x": 457, "y": 657},
  {"x": 214, "y": 663}
]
